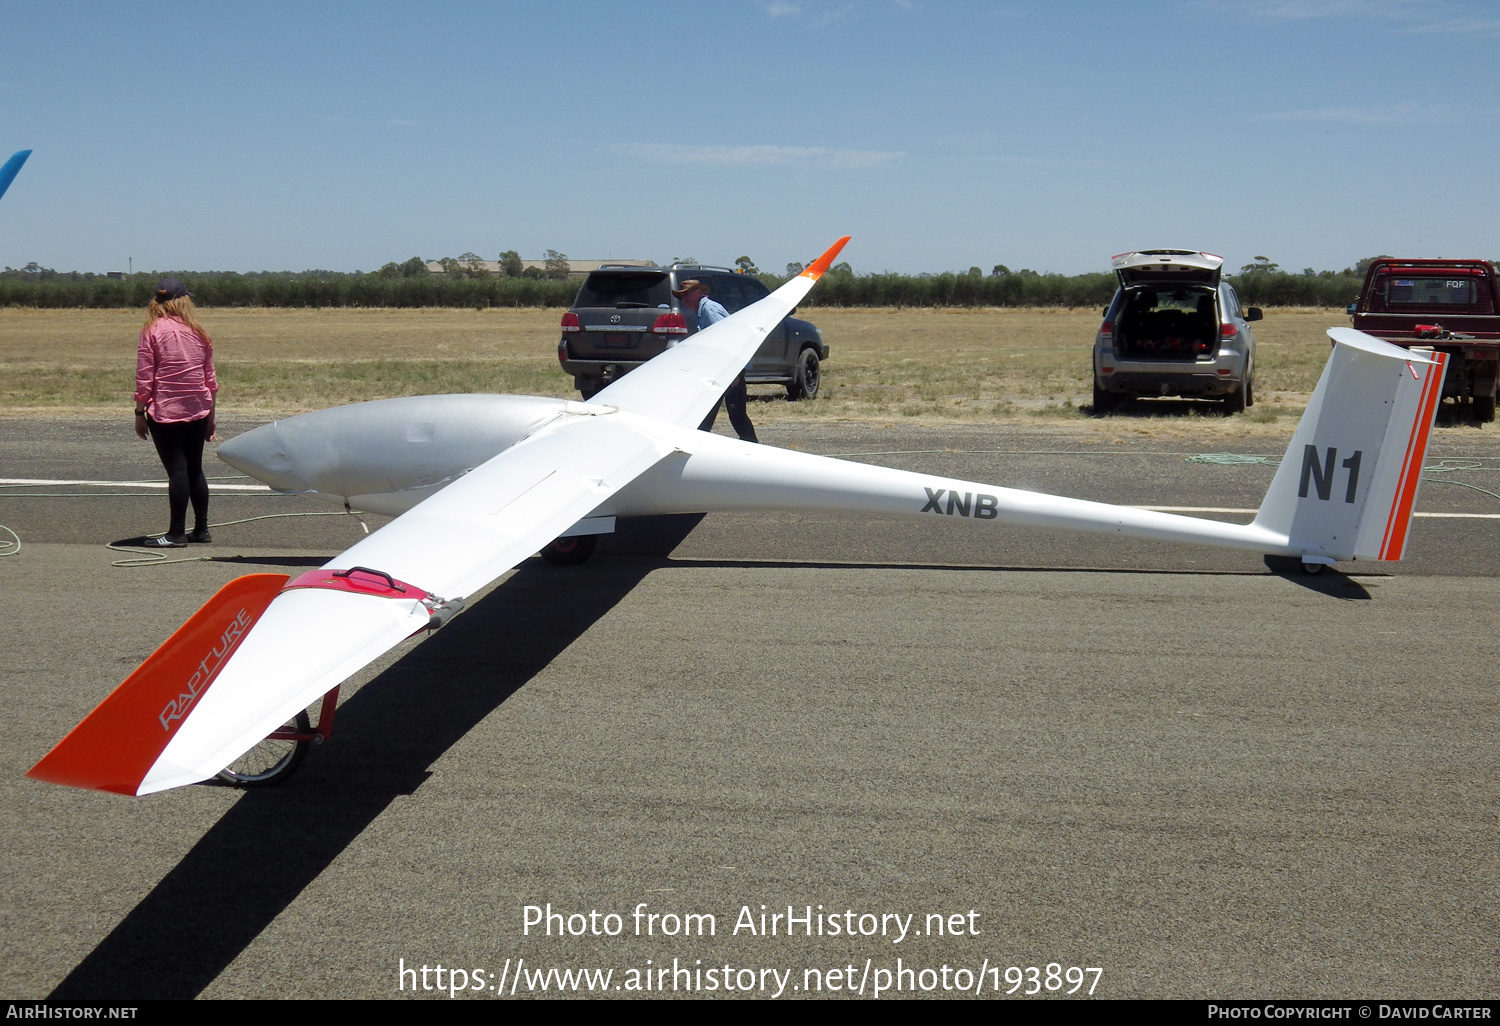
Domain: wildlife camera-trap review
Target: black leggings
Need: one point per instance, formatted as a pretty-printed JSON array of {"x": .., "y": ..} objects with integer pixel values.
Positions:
[{"x": 180, "y": 447}]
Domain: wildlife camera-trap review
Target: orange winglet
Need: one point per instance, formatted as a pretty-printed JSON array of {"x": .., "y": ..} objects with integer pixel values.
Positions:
[
  {"x": 117, "y": 743},
  {"x": 824, "y": 262}
]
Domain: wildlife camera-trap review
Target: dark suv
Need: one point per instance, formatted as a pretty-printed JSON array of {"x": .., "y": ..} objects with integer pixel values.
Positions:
[{"x": 623, "y": 316}]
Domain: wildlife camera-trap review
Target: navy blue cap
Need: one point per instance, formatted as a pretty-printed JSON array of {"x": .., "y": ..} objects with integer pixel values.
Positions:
[{"x": 169, "y": 289}]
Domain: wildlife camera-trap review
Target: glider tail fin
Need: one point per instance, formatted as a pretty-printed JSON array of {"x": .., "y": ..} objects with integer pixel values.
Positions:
[
  {"x": 117, "y": 744},
  {"x": 1348, "y": 483}
]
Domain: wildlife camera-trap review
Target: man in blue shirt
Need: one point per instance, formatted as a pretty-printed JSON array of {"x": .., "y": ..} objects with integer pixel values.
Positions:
[{"x": 693, "y": 295}]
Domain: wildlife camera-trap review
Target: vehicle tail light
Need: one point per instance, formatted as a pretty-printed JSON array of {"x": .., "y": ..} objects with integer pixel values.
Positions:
[
  {"x": 1228, "y": 331},
  {"x": 1106, "y": 328},
  {"x": 570, "y": 322},
  {"x": 562, "y": 352},
  {"x": 1106, "y": 370},
  {"x": 670, "y": 324},
  {"x": 1224, "y": 372}
]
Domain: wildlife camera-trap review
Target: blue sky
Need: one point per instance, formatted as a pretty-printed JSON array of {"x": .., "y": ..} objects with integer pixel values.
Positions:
[{"x": 1050, "y": 135}]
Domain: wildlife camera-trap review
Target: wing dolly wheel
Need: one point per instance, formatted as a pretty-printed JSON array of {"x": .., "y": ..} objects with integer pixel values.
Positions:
[
  {"x": 278, "y": 756},
  {"x": 274, "y": 759}
]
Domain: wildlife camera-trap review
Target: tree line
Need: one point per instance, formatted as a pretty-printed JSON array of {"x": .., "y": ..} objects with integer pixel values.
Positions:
[
  {"x": 410, "y": 284},
  {"x": 286, "y": 289}
]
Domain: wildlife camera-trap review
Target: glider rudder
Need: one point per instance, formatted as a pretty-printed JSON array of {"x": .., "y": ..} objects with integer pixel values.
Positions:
[
  {"x": 117, "y": 744},
  {"x": 1404, "y": 499}
]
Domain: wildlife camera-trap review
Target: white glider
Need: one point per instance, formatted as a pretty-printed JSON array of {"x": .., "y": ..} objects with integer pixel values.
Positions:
[{"x": 479, "y": 483}]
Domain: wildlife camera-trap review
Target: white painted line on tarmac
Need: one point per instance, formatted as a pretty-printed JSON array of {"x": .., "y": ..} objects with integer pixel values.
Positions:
[
  {"x": 213, "y": 486},
  {"x": 1225, "y": 509},
  {"x": 1461, "y": 516}
]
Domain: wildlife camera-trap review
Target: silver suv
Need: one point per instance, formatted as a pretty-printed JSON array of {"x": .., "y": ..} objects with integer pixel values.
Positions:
[
  {"x": 1174, "y": 328},
  {"x": 623, "y": 316}
]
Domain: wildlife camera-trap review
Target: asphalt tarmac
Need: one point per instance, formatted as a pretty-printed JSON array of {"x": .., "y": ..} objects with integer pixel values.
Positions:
[{"x": 1201, "y": 772}]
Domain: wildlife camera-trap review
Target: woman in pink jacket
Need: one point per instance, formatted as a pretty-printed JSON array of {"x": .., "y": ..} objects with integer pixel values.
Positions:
[{"x": 174, "y": 404}]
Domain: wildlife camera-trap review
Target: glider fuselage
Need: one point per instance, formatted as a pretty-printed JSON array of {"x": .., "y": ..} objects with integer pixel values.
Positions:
[{"x": 387, "y": 456}]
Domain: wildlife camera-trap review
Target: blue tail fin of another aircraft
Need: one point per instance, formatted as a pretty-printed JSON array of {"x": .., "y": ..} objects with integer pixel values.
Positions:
[{"x": 8, "y": 172}]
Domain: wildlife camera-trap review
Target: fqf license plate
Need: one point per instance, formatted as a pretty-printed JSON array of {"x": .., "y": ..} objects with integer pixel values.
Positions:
[{"x": 616, "y": 341}]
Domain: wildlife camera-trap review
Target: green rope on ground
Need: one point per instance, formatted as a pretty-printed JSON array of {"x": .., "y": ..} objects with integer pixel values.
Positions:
[
  {"x": 160, "y": 557},
  {"x": 1450, "y": 465},
  {"x": 1232, "y": 459}
]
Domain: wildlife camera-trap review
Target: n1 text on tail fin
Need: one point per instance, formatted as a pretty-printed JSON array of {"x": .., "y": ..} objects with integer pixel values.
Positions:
[{"x": 1348, "y": 483}]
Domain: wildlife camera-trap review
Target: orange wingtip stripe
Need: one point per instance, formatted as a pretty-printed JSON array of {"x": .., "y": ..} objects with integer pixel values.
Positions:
[
  {"x": 824, "y": 262},
  {"x": 117, "y": 743}
]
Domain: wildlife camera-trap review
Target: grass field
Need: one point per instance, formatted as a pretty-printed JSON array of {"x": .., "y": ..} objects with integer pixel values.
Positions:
[{"x": 925, "y": 366}]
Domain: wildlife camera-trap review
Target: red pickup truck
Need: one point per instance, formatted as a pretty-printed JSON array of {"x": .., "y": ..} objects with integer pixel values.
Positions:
[{"x": 1448, "y": 305}]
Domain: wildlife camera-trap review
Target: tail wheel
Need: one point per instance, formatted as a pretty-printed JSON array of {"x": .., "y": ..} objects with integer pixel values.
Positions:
[
  {"x": 271, "y": 761},
  {"x": 570, "y": 551}
]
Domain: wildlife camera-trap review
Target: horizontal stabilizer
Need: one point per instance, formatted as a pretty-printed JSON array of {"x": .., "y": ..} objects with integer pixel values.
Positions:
[{"x": 115, "y": 746}]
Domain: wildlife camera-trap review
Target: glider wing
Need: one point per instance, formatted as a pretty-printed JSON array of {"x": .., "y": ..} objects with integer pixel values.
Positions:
[
  {"x": 182, "y": 718},
  {"x": 681, "y": 385}
]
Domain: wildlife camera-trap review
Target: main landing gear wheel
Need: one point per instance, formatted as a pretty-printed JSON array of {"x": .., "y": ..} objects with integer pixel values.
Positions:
[
  {"x": 569, "y": 551},
  {"x": 271, "y": 761}
]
